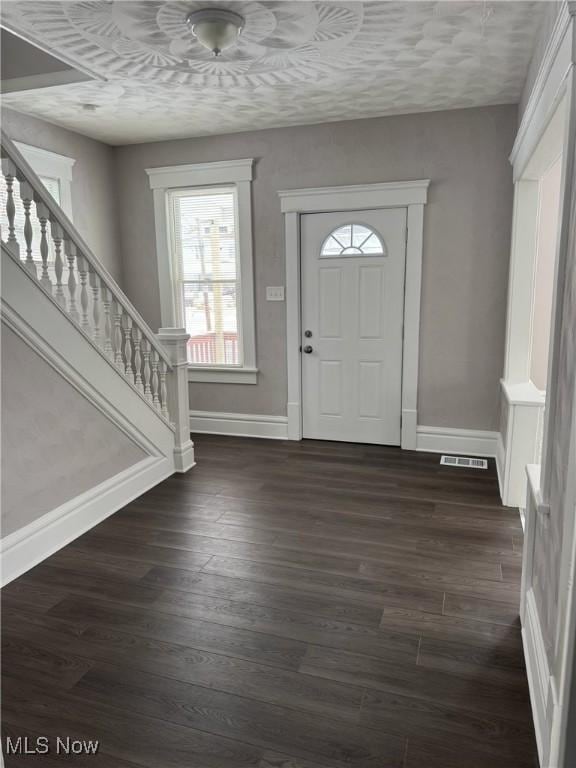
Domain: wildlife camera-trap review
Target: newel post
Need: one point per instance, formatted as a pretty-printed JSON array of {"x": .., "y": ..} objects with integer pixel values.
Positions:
[{"x": 174, "y": 341}]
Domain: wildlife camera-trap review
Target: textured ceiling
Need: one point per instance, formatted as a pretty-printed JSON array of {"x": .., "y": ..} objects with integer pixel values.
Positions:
[{"x": 295, "y": 63}]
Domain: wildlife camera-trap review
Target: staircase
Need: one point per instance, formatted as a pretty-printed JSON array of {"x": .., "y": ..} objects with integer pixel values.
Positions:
[{"x": 95, "y": 404}]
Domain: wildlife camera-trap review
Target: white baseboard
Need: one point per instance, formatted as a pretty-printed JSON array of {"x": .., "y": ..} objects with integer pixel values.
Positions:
[
  {"x": 184, "y": 457},
  {"x": 471, "y": 442},
  {"x": 409, "y": 429},
  {"x": 541, "y": 684},
  {"x": 433, "y": 439},
  {"x": 240, "y": 424},
  {"x": 28, "y": 546},
  {"x": 500, "y": 464}
]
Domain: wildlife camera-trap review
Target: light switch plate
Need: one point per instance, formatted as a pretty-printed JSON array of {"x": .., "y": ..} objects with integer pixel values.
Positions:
[{"x": 274, "y": 293}]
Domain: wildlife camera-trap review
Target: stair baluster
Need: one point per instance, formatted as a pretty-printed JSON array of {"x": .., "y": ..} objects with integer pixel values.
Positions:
[
  {"x": 146, "y": 370},
  {"x": 43, "y": 217},
  {"x": 27, "y": 197},
  {"x": 95, "y": 287},
  {"x": 117, "y": 335},
  {"x": 9, "y": 173},
  {"x": 163, "y": 389},
  {"x": 155, "y": 381},
  {"x": 137, "y": 339},
  {"x": 83, "y": 276},
  {"x": 107, "y": 302},
  {"x": 70, "y": 251},
  {"x": 128, "y": 369},
  {"x": 57, "y": 239}
]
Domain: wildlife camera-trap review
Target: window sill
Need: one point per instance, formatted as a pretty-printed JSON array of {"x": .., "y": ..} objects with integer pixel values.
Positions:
[{"x": 223, "y": 375}]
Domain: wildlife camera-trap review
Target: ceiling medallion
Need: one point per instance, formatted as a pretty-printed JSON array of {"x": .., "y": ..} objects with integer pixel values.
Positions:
[{"x": 215, "y": 28}]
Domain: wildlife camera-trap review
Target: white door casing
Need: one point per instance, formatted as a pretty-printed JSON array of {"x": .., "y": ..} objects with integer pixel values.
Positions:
[
  {"x": 352, "y": 305},
  {"x": 411, "y": 195}
]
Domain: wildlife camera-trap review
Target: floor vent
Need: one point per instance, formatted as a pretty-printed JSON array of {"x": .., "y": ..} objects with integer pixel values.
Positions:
[{"x": 464, "y": 461}]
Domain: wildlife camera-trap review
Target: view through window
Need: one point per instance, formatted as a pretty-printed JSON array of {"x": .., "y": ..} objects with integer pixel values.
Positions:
[{"x": 205, "y": 243}]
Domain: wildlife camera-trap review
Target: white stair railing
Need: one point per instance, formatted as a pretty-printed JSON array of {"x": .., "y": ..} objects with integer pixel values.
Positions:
[{"x": 37, "y": 233}]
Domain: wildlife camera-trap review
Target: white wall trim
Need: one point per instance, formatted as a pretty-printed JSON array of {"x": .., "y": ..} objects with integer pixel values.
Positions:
[
  {"x": 354, "y": 197},
  {"x": 524, "y": 393},
  {"x": 200, "y": 174},
  {"x": 293, "y": 203},
  {"x": 229, "y": 375},
  {"x": 50, "y": 163},
  {"x": 470, "y": 442},
  {"x": 547, "y": 90},
  {"x": 540, "y": 682},
  {"x": 523, "y": 252},
  {"x": 524, "y": 406},
  {"x": 432, "y": 439},
  {"x": 239, "y": 424},
  {"x": 411, "y": 340},
  {"x": 546, "y": 131},
  {"x": 236, "y": 173},
  {"x": 28, "y": 546}
]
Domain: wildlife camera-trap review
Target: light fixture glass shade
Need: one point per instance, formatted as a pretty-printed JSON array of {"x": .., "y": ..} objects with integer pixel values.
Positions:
[{"x": 215, "y": 28}]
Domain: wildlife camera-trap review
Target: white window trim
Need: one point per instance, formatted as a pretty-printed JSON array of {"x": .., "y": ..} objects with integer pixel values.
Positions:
[
  {"x": 238, "y": 173},
  {"x": 54, "y": 166}
]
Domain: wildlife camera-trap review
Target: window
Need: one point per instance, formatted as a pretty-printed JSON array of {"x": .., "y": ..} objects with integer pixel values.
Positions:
[
  {"x": 205, "y": 251},
  {"x": 55, "y": 172},
  {"x": 53, "y": 186},
  {"x": 353, "y": 240},
  {"x": 204, "y": 246}
]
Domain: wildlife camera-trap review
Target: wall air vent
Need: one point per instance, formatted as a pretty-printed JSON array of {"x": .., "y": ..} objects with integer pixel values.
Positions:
[{"x": 464, "y": 461}]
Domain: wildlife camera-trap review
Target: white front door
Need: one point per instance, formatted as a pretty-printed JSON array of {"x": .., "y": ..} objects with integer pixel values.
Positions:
[{"x": 352, "y": 273}]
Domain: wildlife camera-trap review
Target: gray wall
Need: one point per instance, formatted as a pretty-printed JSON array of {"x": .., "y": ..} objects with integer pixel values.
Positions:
[
  {"x": 55, "y": 443},
  {"x": 94, "y": 200},
  {"x": 466, "y": 247}
]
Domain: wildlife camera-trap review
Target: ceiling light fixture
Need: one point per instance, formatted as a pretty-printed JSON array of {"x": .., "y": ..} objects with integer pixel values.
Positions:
[{"x": 215, "y": 28}]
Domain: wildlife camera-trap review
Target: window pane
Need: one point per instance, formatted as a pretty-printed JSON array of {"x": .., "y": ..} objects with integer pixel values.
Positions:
[
  {"x": 211, "y": 318},
  {"x": 372, "y": 245},
  {"x": 331, "y": 247},
  {"x": 359, "y": 234},
  {"x": 205, "y": 234},
  {"x": 53, "y": 186},
  {"x": 353, "y": 240}
]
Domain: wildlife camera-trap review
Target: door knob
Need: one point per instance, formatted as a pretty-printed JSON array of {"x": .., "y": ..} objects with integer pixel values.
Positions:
[
  {"x": 307, "y": 349},
  {"x": 308, "y": 334}
]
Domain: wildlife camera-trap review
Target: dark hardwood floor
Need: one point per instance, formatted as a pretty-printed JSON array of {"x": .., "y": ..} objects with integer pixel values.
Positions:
[{"x": 283, "y": 605}]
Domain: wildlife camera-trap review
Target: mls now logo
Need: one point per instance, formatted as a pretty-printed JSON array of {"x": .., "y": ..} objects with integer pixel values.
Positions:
[
  {"x": 70, "y": 746},
  {"x": 26, "y": 746},
  {"x": 41, "y": 745}
]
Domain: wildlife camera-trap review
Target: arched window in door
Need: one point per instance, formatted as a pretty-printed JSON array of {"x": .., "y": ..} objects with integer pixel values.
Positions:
[{"x": 353, "y": 240}]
